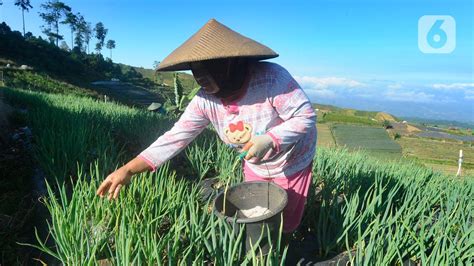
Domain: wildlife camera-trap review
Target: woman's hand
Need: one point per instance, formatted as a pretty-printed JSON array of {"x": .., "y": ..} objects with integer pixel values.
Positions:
[
  {"x": 114, "y": 182},
  {"x": 121, "y": 177},
  {"x": 258, "y": 146}
]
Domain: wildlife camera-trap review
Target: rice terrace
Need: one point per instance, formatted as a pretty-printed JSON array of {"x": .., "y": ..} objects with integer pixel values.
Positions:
[{"x": 384, "y": 188}]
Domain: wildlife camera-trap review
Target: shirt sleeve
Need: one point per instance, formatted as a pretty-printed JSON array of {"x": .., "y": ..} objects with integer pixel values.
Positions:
[
  {"x": 191, "y": 123},
  {"x": 293, "y": 107}
]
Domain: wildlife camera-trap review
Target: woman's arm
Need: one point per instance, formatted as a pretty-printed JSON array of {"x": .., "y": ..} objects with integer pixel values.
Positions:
[
  {"x": 122, "y": 176},
  {"x": 193, "y": 121},
  {"x": 293, "y": 107},
  {"x": 190, "y": 124}
]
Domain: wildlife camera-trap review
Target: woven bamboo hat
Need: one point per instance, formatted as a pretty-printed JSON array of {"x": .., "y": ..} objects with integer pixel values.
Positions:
[
  {"x": 154, "y": 106},
  {"x": 214, "y": 41}
]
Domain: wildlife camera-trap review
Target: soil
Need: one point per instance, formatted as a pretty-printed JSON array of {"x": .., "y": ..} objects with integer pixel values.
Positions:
[
  {"x": 381, "y": 116},
  {"x": 20, "y": 210},
  {"x": 127, "y": 93}
]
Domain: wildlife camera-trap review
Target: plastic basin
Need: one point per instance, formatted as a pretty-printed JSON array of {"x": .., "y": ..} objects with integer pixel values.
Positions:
[{"x": 253, "y": 196}]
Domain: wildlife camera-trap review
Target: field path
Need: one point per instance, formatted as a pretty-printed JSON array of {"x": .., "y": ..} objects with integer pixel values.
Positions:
[
  {"x": 127, "y": 93},
  {"x": 325, "y": 138}
]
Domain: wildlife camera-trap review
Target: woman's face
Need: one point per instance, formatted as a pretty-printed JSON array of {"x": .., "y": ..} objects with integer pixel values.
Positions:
[
  {"x": 204, "y": 78},
  {"x": 221, "y": 77}
]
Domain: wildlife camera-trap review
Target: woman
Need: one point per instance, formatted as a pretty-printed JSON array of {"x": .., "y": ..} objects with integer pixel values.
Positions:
[{"x": 254, "y": 106}]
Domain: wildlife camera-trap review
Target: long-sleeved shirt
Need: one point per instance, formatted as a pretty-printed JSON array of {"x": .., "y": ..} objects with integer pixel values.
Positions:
[{"x": 272, "y": 103}]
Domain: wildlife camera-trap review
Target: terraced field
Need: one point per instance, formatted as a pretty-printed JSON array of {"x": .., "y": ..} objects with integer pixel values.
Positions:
[
  {"x": 325, "y": 138},
  {"x": 373, "y": 140},
  {"x": 438, "y": 154}
]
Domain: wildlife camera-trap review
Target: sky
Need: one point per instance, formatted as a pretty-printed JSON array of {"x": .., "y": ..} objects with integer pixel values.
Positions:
[{"x": 358, "y": 54}]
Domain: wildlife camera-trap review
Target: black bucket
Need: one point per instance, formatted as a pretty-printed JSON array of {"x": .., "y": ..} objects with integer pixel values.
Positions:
[{"x": 248, "y": 197}]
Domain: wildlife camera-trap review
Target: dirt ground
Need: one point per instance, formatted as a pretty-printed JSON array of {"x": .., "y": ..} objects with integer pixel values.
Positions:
[
  {"x": 20, "y": 210},
  {"x": 5, "y": 111},
  {"x": 325, "y": 138},
  {"x": 127, "y": 93},
  {"x": 404, "y": 129},
  {"x": 381, "y": 116}
]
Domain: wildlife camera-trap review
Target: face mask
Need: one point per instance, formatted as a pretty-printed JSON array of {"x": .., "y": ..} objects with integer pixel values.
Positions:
[
  {"x": 226, "y": 79},
  {"x": 204, "y": 78}
]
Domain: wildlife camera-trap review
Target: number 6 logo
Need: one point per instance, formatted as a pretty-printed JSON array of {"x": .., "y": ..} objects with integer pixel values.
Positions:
[{"x": 436, "y": 34}]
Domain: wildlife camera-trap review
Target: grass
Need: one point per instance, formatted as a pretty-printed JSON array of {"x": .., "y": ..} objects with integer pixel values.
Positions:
[
  {"x": 325, "y": 138},
  {"x": 89, "y": 129},
  {"x": 440, "y": 154},
  {"x": 345, "y": 117},
  {"x": 371, "y": 139},
  {"x": 33, "y": 81},
  {"x": 392, "y": 211}
]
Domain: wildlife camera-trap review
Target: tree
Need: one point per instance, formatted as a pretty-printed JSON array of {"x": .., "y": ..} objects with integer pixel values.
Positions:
[
  {"x": 88, "y": 34},
  {"x": 54, "y": 11},
  {"x": 64, "y": 46},
  {"x": 71, "y": 20},
  {"x": 100, "y": 34},
  {"x": 83, "y": 34},
  {"x": 24, "y": 5},
  {"x": 81, "y": 27},
  {"x": 110, "y": 45}
]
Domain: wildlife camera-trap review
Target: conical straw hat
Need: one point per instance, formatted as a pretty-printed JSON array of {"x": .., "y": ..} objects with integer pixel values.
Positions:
[
  {"x": 154, "y": 106},
  {"x": 214, "y": 41}
]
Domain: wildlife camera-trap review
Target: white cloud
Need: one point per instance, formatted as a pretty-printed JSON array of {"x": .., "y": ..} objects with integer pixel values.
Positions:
[
  {"x": 324, "y": 93},
  {"x": 395, "y": 86},
  {"x": 453, "y": 86},
  {"x": 409, "y": 96},
  {"x": 394, "y": 91},
  {"x": 315, "y": 83},
  {"x": 469, "y": 95}
]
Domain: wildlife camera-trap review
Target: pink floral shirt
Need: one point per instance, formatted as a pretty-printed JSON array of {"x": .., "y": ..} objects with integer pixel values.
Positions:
[{"x": 272, "y": 104}]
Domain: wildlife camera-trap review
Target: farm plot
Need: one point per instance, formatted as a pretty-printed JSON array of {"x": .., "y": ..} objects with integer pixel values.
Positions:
[
  {"x": 325, "y": 138},
  {"x": 439, "y": 154},
  {"x": 374, "y": 141}
]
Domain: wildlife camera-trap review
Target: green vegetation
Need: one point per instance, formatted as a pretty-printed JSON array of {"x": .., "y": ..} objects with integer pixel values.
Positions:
[
  {"x": 373, "y": 140},
  {"x": 439, "y": 123},
  {"x": 31, "y": 80},
  {"x": 52, "y": 69},
  {"x": 440, "y": 154},
  {"x": 163, "y": 80},
  {"x": 99, "y": 131},
  {"x": 75, "y": 67},
  {"x": 392, "y": 212},
  {"x": 344, "y": 118},
  {"x": 325, "y": 138}
]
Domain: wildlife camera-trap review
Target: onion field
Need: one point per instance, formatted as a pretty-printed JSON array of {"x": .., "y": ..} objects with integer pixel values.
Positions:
[
  {"x": 391, "y": 212},
  {"x": 369, "y": 139}
]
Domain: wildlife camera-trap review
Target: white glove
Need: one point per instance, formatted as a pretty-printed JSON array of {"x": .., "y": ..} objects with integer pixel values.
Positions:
[{"x": 258, "y": 146}]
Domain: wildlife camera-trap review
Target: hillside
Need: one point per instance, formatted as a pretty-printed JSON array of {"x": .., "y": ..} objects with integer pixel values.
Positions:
[
  {"x": 33, "y": 63},
  {"x": 330, "y": 113},
  {"x": 163, "y": 78}
]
